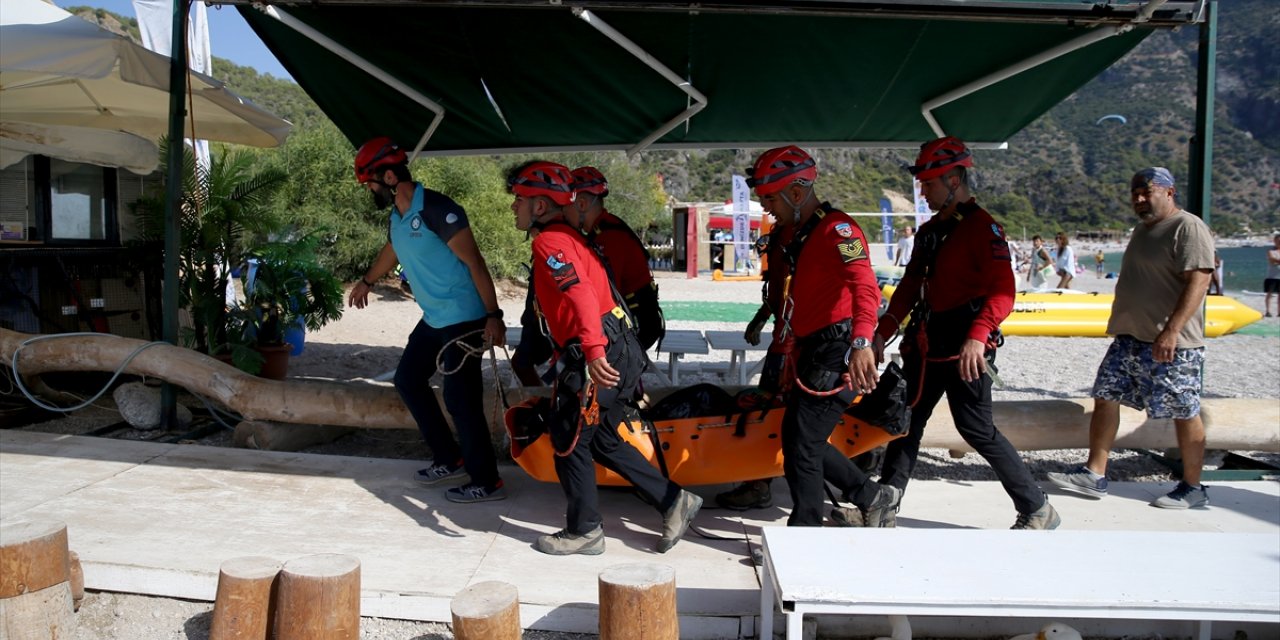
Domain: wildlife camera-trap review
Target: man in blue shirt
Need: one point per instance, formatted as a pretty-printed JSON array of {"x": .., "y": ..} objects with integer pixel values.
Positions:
[{"x": 428, "y": 234}]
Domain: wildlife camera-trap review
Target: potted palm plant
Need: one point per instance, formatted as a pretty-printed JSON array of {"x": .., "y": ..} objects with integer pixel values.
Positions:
[
  {"x": 222, "y": 205},
  {"x": 286, "y": 287}
]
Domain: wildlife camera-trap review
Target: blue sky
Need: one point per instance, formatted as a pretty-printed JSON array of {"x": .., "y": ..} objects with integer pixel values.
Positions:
[{"x": 229, "y": 35}]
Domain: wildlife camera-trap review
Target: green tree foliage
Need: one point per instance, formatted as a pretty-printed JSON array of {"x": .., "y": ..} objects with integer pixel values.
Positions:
[
  {"x": 479, "y": 185},
  {"x": 322, "y": 193}
]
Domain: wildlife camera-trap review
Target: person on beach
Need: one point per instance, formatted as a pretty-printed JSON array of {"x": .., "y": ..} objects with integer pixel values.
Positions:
[
  {"x": 1099, "y": 263},
  {"x": 428, "y": 234},
  {"x": 830, "y": 309},
  {"x": 758, "y": 494},
  {"x": 906, "y": 244},
  {"x": 958, "y": 288},
  {"x": 1039, "y": 264},
  {"x": 1156, "y": 361},
  {"x": 1271, "y": 285},
  {"x": 1064, "y": 261},
  {"x": 625, "y": 257},
  {"x": 627, "y": 263},
  {"x": 598, "y": 365}
]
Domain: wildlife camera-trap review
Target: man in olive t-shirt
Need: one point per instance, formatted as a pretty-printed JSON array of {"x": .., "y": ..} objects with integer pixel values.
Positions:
[{"x": 1157, "y": 357}]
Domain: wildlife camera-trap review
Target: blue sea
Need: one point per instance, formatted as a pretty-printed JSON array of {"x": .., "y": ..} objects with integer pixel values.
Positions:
[{"x": 1243, "y": 267}]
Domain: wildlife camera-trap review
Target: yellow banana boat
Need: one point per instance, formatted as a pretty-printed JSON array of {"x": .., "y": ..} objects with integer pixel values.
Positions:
[{"x": 1068, "y": 313}]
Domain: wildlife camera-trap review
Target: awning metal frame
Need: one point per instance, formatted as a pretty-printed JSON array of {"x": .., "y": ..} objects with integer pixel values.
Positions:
[
  {"x": 699, "y": 100},
  {"x": 363, "y": 64},
  {"x": 1098, "y": 34}
]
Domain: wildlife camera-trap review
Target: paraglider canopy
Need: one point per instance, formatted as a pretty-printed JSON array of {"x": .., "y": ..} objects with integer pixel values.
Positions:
[{"x": 1114, "y": 116}]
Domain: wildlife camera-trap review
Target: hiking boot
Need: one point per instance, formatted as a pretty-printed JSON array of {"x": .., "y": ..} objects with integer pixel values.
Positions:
[
  {"x": 563, "y": 543},
  {"x": 1045, "y": 517},
  {"x": 677, "y": 519},
  {"x": 752, "y": 494},
  {"x": 847, "y": 517},
  {"x": 437, "y": 473},
  {"x": 883, "y": 512},
  {"x": 476, "y": 493},
  {"x": 1184, "y": 496},
  {"x": 1080, "y": 480}
]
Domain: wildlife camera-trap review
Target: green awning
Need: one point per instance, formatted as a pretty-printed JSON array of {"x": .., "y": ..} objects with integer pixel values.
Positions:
[{"x": 524, "y": 76}]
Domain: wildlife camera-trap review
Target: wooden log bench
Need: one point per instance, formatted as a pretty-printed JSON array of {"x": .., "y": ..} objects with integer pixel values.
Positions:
[{"x": 1121, "y": 575}]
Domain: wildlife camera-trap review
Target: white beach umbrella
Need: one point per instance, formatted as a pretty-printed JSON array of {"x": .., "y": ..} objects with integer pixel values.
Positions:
[{"x": 57, "y": 70}]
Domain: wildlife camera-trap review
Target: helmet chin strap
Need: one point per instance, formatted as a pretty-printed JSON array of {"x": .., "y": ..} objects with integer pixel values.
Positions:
[
  {"x": 795, "y": 206},
  {"x": 951, "y": 196}
]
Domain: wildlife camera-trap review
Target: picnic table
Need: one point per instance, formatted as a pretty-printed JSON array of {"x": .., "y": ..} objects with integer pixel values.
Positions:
[
  {"x": 676, "y": 344},
  {"x": 737, "y": 346}
]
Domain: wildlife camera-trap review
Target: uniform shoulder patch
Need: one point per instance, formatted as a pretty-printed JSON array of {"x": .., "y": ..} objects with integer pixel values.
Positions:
[
  {"x": 1000, "y": 250},
  {"x": 844, "y": 229},
  {"x": 562, "y": 271},
  {"x": 852, "y": 249}
]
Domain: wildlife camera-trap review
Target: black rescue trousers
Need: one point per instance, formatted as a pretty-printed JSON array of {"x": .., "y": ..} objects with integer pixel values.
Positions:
[
  {"x": 463, "y": 393},
  {"x": 579, "y": 446},
  {"x": 807, "y": 458},
  {"x": 970, "y": 404}
]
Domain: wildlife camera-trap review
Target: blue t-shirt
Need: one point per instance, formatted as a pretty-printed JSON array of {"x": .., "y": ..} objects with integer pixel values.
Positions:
[{"x": 441, "y": 282}]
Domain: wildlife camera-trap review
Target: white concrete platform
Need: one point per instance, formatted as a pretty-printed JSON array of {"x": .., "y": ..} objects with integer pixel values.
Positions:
[{"x": 161, "y": 518}]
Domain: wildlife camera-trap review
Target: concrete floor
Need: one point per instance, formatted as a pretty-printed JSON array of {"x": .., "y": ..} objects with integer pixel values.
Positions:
[{"x": 160, "y": 519}]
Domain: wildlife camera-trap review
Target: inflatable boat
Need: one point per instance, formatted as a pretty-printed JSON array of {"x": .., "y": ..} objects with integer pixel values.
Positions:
[
  {"x": 1068, "y": 313},
  {"x": 697, "y": 450}
]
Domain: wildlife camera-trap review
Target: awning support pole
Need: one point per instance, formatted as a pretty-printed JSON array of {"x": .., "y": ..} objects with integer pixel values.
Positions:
[
  {"x": 1096, "y": 35},
  {"x": 364, "y": 65},
  {"x": 699, "y": 100},
  {"x": 173, "y": 197},
  {"x": 1200, "y": 184}
]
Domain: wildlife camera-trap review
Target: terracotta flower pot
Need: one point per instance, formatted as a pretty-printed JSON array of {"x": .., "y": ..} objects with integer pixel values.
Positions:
[{"x": 275, "y": 365}]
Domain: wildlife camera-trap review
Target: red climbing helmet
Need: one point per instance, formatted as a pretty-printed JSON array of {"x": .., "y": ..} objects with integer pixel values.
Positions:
[
  {"x": 940, "y": 156},
  {"x": 777, "y": 168},
  {"x": 544, "y": 178},
  {"x": 590, "y": 180},
  {"x": 376, "y": 153}
]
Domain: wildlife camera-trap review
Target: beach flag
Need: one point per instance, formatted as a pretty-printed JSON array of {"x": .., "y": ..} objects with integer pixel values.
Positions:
[
  {"x": 922, "y": 206},
  {"x": 155, "y": 26},
  {"x": 741, "y": 223},
  {"x": 886, "y": 227}
]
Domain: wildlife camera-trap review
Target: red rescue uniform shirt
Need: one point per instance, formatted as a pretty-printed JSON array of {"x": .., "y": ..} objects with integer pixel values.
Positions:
[
  {"x": 833, "y": 279},
  {"x": 626, "y": 255},
  {"x": 572, "y": 288},
  {"x": 973, "y": 262}
]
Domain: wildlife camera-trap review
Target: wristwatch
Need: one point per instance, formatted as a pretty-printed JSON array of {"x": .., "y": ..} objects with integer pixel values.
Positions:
[
  {"x": 860, "y": 343},
  {"x": 494, "y": 314}
]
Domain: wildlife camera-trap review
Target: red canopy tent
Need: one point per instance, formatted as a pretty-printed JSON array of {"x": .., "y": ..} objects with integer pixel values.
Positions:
[{"x": 726, "y": 222}]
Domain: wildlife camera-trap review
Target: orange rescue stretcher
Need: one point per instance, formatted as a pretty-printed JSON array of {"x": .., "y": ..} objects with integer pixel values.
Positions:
[{"x": 696, "y": 450}]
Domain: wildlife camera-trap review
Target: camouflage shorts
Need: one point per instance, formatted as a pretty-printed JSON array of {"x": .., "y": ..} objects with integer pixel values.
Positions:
[{"x": 1130, "y": 376}]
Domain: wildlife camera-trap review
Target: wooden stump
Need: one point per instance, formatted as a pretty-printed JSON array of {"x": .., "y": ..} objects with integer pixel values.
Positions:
[
  {"x": 638, "y": 602},
  {"x": 35, "y": 582},
  {"x": 486, "y": 611},
  {"x": 77, "y": 581},
  {"x": 243, "y": 608},
  {"x": 318, "y": 598}
]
